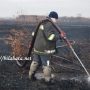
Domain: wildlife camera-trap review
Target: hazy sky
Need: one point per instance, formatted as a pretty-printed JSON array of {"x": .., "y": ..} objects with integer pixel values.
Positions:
[{"x": 12, "y": 8}]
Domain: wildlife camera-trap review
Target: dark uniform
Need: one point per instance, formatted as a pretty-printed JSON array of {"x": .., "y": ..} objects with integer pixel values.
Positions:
[{"x": 44, "y": 48}]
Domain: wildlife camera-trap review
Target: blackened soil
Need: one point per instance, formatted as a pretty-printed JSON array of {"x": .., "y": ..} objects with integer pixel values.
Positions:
[{"x": 14, "y": 78}]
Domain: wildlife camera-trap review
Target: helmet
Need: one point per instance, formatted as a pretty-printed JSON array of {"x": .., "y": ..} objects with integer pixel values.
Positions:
[{"x": 53, "y": 14}]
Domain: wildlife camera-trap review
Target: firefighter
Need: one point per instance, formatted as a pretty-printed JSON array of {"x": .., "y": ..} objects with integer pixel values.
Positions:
[{"x": 44, "y": 48}]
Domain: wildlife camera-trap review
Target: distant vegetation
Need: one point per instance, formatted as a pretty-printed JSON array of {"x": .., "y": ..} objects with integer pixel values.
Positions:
[{"x": 27, "y": 19}]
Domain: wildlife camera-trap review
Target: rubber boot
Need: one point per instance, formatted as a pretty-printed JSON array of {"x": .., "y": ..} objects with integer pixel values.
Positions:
[
  {"x": 33, "y": 68},
  {"x": 47, "y": 73}
]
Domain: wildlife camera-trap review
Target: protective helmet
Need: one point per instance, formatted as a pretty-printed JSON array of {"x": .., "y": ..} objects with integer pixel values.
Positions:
[{"x": 53, "y": 14}]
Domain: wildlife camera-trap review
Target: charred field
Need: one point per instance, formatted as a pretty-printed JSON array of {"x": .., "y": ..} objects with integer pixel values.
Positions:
[{"x": 14, "y": 39}]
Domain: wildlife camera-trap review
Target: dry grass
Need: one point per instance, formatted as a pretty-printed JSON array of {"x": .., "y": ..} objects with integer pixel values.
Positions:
[{"x": 19, "y": 42}]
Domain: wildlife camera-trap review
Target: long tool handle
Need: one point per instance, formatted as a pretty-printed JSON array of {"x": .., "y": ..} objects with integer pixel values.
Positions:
[{"x": 77, "y": 56}]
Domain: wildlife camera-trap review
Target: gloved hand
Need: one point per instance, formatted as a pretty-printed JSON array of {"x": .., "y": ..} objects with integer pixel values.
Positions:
[{"x": 63, "y": 35}]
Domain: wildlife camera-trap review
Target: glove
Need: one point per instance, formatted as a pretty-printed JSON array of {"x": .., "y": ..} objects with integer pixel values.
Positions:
[{"x": 63, "y": 35}]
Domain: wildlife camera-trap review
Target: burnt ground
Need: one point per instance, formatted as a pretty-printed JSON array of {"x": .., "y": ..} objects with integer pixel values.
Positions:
[{"x": 14, "y": 78}]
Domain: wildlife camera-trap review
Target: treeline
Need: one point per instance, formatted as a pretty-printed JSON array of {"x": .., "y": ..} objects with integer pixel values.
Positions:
[{"x": 33, "y": 19}]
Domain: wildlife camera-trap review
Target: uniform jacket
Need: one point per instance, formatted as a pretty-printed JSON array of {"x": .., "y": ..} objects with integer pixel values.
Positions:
[{"x": 46, "y": 39}]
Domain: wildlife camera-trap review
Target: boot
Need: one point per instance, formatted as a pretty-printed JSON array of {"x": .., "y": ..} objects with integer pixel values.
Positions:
[
  {"x": 32, "y": 70},
  {"x": 47, "y": 75}
]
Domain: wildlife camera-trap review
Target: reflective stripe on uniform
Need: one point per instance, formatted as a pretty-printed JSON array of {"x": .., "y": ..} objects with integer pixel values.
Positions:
[
  {"x": 33, "y": 33},
  {"x": 48, "y": 63},
  {"x": 38, "y": 51},
  {"x": 50, "y": 51},
  {"x": 51, "y": 37},
  {"x": 41, "y": 27},
  {"x": 46, "y": 51}
]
